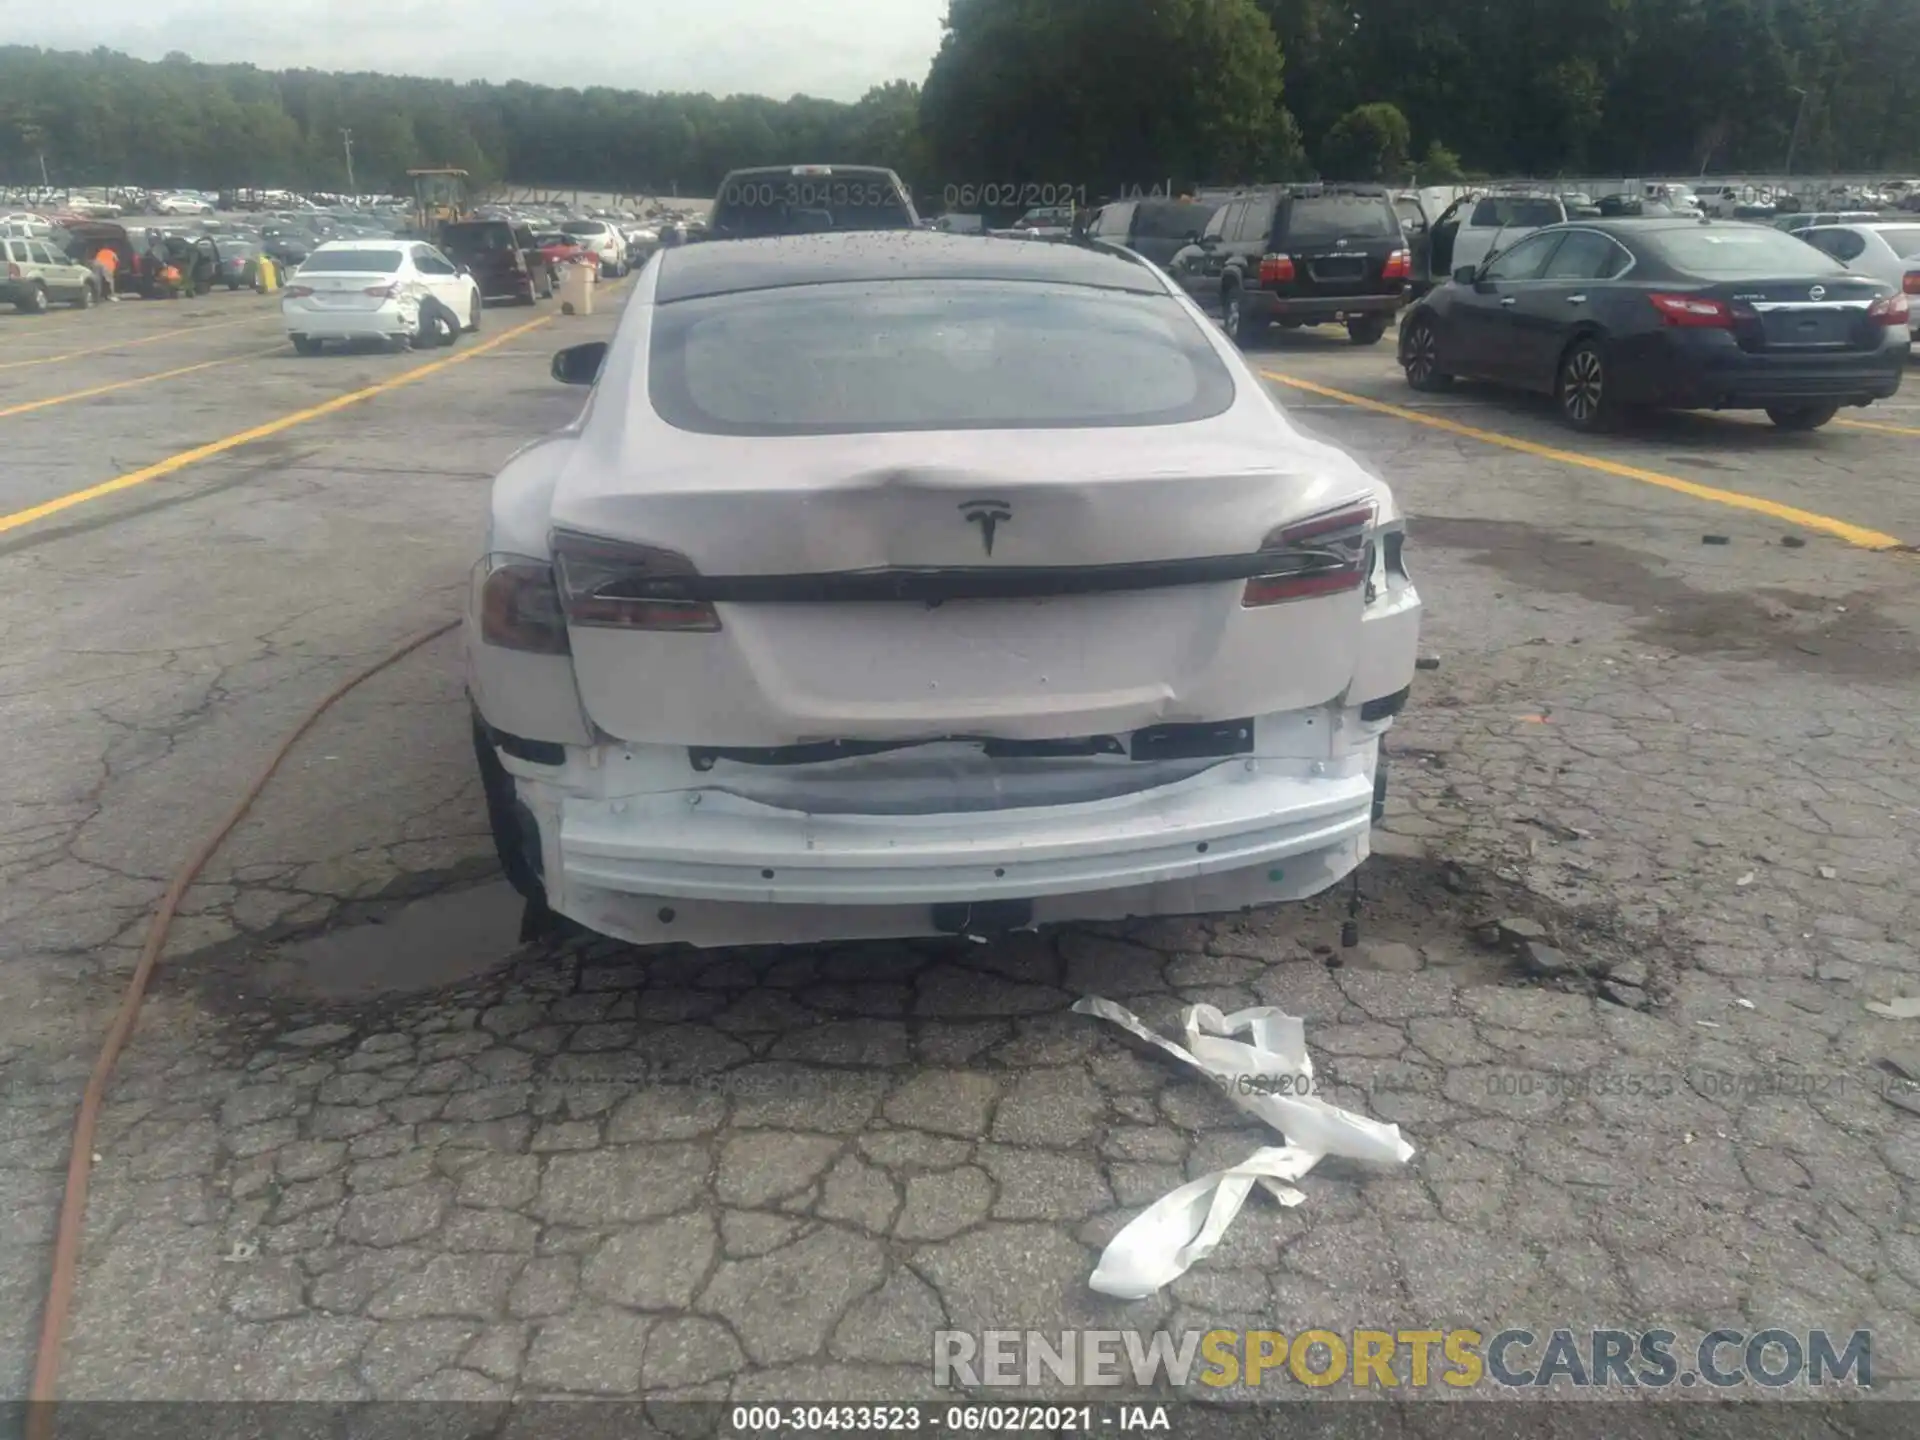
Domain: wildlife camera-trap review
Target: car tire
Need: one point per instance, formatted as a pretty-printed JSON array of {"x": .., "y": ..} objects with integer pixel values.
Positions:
[
  {"x": 1799, "y": 418},
  {"x": 1421, "y": 352},
  {"x": 305, "y": 344},
  {"x": 87, "y": 297},
  {"x": 1367, "y": 330},
  {"x": 511, "y": 843},
  {"x": 34, "y": 302},
  {"x": 232, "y": 285},
  {"x": 1580, "y": 388},
  {"x": 1234, "y": 320}
]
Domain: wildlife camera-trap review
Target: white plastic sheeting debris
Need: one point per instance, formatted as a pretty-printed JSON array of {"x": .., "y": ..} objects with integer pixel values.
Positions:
[{"x": 1270, "y": 1076}]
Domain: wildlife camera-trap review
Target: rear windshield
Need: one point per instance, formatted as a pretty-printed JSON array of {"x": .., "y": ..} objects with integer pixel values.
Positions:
[
  {"x": 1528, "y": 214},
  {"x": 497, "y": 236},
  {"x": 373, "y": 262},
  {"x": 965, "y": 355},
  {"x": 1905, "y": 240},
  {"x": 1170, "y": 221},
  {"x": 776, "y": 202},
  {"x": 1322, "y": 219},
  {"x": 1742, "y": 252}
]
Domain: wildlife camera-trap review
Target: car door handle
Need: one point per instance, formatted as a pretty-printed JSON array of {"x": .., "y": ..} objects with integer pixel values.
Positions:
[
  {"x": 1511, "y": 300},
  {"x": 1576, "y": 299}
]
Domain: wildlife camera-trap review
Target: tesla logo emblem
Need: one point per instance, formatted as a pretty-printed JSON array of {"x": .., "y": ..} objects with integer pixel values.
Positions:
[
  {"x": 1818, "y": 292},
  {"x": 989, "y": 515}
]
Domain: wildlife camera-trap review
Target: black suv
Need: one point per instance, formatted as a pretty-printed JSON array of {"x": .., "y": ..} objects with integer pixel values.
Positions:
[
  {"x": 1301, "y": 255},
  {"x": 807, "y": 199},
  {"x": 1157, "y": 229}
]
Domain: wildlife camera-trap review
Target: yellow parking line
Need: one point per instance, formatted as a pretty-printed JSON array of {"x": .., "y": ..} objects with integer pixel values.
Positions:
[
  {"x": 142, "y": 340},
  {"x": 1792, "y": 515},
  {"x": 259, "y": 432},
  {"x": 1874, "y": 425},
  {"x": 128, "y": 384}
]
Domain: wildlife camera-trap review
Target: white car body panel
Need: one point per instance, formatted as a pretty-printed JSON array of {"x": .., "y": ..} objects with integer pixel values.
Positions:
[{"x": 644, "y": 832}]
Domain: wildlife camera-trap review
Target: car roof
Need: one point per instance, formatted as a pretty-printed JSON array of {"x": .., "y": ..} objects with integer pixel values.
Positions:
[{"x": 869, "y": 255}]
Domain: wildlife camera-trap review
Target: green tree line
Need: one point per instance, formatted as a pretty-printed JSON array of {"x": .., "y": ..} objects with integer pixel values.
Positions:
[{"x": 1095, "y": 93}]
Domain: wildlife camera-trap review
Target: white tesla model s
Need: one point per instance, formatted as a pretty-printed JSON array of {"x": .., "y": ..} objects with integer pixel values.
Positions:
[{"x": 899, "y": 584}]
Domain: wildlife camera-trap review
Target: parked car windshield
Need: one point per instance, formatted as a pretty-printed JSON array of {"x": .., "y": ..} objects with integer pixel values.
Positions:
[
  {"x": 967, "y": 354},
  {"x": 372, "y": 262},
  {"x": 1322, "y": 219},
  {"x": 1170, "y": 220},
  {"x": 1741, "y": 252},
  {"x": 1502, "y": 210},
  {"x": 474, "y": 238}
]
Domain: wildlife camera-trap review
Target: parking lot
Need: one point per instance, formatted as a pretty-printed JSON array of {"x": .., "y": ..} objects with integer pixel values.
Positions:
[{"x": 365, "y": 1145}]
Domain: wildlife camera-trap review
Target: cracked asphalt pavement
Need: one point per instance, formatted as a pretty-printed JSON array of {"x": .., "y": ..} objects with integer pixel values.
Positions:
[{"x": 366, "y": 1146}]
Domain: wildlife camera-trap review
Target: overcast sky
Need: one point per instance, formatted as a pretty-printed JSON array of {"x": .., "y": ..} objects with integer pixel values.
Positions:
[{"x": 831, "y": 48}]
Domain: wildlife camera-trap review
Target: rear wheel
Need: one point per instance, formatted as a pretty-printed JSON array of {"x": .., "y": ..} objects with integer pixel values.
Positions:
[
  {"x": 1367, "y": 330},
  {"x": 34, "y": 302},
  {"x": 1235, "y": 320},
  {"x": 1422, "y": 357},
  {"x": 1801, "y": 417},
  {"x": 1581, "y": 388},
  {"x": 305, "y": 344}
]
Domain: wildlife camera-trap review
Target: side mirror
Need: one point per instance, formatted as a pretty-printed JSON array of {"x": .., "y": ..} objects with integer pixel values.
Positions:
[
  {"x": 580, "y": 364},
  {"x": 1466, "y": 274}
]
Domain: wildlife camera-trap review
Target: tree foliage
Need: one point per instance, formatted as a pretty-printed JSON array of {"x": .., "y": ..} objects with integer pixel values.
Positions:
[
  {"x": 1108, "y": 93},
  {"x": 1369, "y": 142},
  {"x": 1069, "y": 93}
]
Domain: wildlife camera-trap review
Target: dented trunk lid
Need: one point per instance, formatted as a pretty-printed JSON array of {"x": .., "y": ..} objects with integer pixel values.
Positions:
[{"x": 917, "y": 586}]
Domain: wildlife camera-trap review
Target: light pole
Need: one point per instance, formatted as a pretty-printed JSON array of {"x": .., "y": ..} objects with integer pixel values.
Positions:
[
  {"x": 1799, "y": 116},
  {"x": 352, "y": 189}
]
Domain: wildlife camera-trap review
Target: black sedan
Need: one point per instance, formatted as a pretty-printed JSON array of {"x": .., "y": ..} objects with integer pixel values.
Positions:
[{"x": 1610, "y": 316}]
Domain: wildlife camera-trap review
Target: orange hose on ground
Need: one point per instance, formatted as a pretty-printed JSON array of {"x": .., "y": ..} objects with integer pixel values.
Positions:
[{"x": 73, "y": 1207}]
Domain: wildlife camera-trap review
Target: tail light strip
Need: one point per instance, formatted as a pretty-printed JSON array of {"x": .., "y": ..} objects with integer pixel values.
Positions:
[
  {"x": 1324, "y": 554},
  {"x": 594, "y": 583}
]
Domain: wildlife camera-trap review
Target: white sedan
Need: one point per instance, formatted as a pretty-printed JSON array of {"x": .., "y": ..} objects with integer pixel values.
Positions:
[
  {"x": 999, "y": 591},
  {"x": 372, "y": 290},
  {"x": 1886, "y": 250}
]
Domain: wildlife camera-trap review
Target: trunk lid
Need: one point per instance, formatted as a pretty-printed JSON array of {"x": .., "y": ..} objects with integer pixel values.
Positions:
[
  {"x": 346, "y": 290},
  {"x": 1019, "y": 585},
  {"x": 1801, "y": 316}
]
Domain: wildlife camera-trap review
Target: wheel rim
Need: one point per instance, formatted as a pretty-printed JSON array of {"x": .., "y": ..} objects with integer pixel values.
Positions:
[
  {"x": 1581, "y": 392},
  {"x": 1420, "y": 353}
]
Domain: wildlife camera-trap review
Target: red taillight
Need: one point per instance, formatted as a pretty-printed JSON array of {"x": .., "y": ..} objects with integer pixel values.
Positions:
[
  {"x": 1399, "y": 266},
  {"x": 612, "y": 585},
  {"x": 1276, "y": 269},
  {"x": 1693, "y": 312},
  {"x": 519, "y": 606},
  {"x": 297, "y": 292},
  {"x": 1910, "y": 283},
  {"x": 1324, "y": 554},
  {"x": 1891, "y": 310}
]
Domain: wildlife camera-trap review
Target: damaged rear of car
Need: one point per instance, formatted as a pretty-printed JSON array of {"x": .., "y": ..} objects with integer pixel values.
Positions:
[{"x": 999, "y": 593}]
